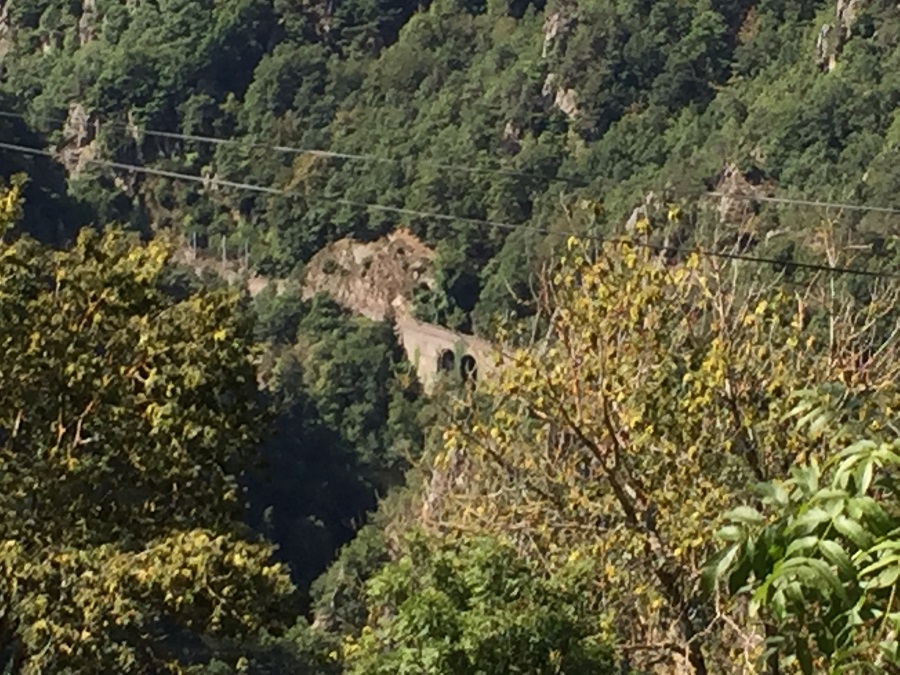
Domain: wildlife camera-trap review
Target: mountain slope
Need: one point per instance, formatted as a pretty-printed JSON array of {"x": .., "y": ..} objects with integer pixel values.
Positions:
[{"x": 617, "y": 98}]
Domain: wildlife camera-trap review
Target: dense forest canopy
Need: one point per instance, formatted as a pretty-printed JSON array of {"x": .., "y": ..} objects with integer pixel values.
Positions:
[
  {"x": 127, "y": 420},
  {"x": 573, "y": 100},
  {"x": 686, "y": 456}
]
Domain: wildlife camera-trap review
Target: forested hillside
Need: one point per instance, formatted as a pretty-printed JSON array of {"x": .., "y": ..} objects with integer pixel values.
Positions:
[
  {"x": 678, "y": 222},
  {"x": 596, "y": 100}
]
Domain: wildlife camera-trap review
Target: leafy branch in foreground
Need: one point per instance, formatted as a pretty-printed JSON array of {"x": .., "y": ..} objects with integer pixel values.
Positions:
[
  {"x": 660, "y": 392},
  {"x": 820, "y": 561},
  {"x": 127, "y": 417}
]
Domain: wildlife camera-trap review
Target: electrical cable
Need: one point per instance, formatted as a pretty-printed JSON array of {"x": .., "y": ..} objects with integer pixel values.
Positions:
[
  {"x": 330, "y": 154},
  {"x": 790, "y": 201},
  {"x": 461, "y": 219}
]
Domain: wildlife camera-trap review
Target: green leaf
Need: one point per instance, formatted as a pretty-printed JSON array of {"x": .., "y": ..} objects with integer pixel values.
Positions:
[
  {"x": 849, "y": 457},
  {"x": 853, "y": 531},
  {"x": 887, "y": 545},
  {"x": 864, "y": 475},
  {"x": 747, "y": 515},
  {"x": 879, "y": 564},
  {"x": 866, "y": 509},
  {"x": 891, "y": 650},
  {"x": 778, "y": 604},
  {"x": 810, "y": 571},
  {"x": 738, "y": 579},
  {"x": 730, "y": 533},
  {"x": 801, "y": 407},
  {"x": 809, "y": 520},
  {"x": 806, "y": 478},
  {"x": 813, "y": 414},
  {"x": 837, "y": 556},
  {"x": 801, "y": 545},
  {"x": 820, "y": 423},
  {"x": 857, "y": 450},
  {"x": 830, "y": 494},
  {"x": 774, "y": 493},
  {"x": 887, "y": 578},
  {"x": 804, "y": 656},
  {"x": 721, "y": 563}
]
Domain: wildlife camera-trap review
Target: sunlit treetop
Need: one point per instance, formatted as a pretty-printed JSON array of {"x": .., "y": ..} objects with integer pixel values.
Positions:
[
  {"x": 658, "y": 396},
  {"x": 127, "y": 417}
]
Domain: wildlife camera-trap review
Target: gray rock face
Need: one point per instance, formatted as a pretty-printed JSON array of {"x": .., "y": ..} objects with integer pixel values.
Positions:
[
  {"x": 79, "y": 133},
  {"x": 512, "y": 138},
  {"x": 5, "y": 30},
  {"x": 87, "y": 24},
  {"x": 557, "y": 26},
  {"x": 564, "y": 99},
  {"x": 847, "y": 13},
  {"x": 832, "y": 37},
  {"x": 825, "y": 50}
]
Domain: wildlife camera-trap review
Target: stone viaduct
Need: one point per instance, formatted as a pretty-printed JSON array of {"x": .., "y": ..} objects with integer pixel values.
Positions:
[
  {"x": 434, "y": 350},
  {"x": 431, "y": 349}
]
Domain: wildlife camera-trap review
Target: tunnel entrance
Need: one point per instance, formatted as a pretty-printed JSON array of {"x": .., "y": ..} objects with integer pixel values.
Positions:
[
  {"x": 446, "y": 361},
  {"x": 468, "y": 368}
]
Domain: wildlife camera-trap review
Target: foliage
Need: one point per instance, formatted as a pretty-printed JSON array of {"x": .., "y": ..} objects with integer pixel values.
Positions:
[
  {"x": 112, "y": 608},
  {"x": 301, "y": 649},
  {"x": 821, "y": 561},
  {"x": 348, "y": 425},
  {"x": 660, "y": 393},
  {"x": 11, "y": 204},
  {"x": 664, "y": 95},
  {"x": 359, "y": 380},
  {"x": 126, "y": 418},
  {"x": 340, "y": 600},
  {"x": 476, "y": 606},
  {"x": 50, "y": 214},
  {"x": 278, "y": 315}
]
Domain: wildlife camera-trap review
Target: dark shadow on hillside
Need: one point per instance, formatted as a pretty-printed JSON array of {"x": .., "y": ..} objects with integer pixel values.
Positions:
[
  {"x": 309, "y": 495},
  {"x": 52, "y": 216}
]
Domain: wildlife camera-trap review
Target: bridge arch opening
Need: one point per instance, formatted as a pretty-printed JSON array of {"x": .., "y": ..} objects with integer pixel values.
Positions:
[
  {"x": 446, "y": 361},
  {"x": 468, "y": 368}
]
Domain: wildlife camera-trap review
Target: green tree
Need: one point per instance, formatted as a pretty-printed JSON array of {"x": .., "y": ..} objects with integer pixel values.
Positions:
[
  {"x": 477, "y": 606},
  {"x": 339, "y": 594},
  {"x": 127, "y": 417},
  {"x": 655, "y": 398},
  {"x": 348, "y": 426}
]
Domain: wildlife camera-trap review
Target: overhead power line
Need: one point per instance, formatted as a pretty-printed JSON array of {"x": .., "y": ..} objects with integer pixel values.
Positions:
[
  {"x": 368, "y": 157},
  {"x": 329, "y": 154},
  {"x": 174, "y": 175},
  {"x": 845, "y": 206}
]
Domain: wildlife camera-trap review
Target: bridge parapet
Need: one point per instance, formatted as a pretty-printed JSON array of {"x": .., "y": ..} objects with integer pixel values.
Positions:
[{"x": 433, "y": 350}]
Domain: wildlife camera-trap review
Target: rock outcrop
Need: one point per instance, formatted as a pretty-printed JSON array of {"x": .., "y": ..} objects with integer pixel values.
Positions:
[
  {"x": 511, "y": 140},
  {"x": 557, "y": 27},
  {"x": 87, "y": 23},
  {"x": 847, "y": 13},
  {"x": 832, "y": 37},
  {"x": 735, "y": 204},
  {"x": 376, "y": 279},
  {"x": 5, "y": 30},
  {"x": 561, "y": 97},
  {"x": 650, "y": 206},
  {"x": 79, "y": 139}
]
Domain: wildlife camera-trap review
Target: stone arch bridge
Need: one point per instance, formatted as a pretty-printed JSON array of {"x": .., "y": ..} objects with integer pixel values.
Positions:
[
  {"x": 434, "y": 350},
  {"x": 431, "y": 349}
]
